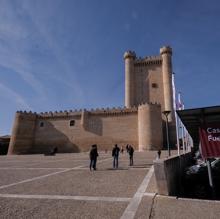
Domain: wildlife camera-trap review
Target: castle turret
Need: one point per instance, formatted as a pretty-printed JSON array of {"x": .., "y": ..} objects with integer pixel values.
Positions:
[
  {"x": 149, "y": 127},
  {"x": 84, "y": 119},
  {"x": 129, "y": 58},
  {"x": 22, "y": 137},
  {"x": 166, "y": 53}
]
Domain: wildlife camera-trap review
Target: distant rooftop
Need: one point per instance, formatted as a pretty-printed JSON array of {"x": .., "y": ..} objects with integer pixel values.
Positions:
[{"x": 5, "y": 136}]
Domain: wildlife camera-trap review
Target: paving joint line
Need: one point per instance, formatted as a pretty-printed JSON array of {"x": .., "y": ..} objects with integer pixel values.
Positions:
[
  {"x": 67, "y": 197},
  {"x": 44, "y": 176},
  {"x": 151, "y": 194},
  {"x": 49, "y": 161},
  {"x": 33, "y": 168},
  {"x": 132, "y": 207}
]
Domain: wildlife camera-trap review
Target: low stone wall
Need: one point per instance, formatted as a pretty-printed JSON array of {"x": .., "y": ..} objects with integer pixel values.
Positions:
[{"x": 169, "y": 173}]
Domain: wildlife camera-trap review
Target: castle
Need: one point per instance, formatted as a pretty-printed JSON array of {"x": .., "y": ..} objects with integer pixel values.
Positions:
[{"x": 148, "y": 92}]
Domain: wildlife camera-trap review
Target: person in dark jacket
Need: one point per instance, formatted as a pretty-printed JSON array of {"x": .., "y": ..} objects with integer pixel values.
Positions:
[
  {"x": 127, "y": 146},
  {"x": 115, "y": 155},
  {"x": 158, "y": 154},
  {"x": 131, "y": 153},
  {"x": 93, "y": 157}
]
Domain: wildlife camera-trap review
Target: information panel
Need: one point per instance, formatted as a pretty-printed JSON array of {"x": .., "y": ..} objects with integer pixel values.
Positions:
[{"x": 210, "y": 140}]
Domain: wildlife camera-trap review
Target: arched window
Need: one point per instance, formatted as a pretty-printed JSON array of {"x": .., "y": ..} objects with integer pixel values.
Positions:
[{"x": 72, "y": 122}]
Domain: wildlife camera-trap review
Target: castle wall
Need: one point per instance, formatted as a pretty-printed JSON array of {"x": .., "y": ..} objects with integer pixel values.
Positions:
[
  {"x": 22, "y": 133},
  {"x": 54, "y": 133},
  {"x": 105, "y": 130}
]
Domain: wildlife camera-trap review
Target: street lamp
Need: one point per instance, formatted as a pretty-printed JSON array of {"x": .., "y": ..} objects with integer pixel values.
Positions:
[{"x": 166, "y": 113}]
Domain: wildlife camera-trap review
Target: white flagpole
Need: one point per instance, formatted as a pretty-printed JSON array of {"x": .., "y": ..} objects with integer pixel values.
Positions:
[
  {"x": 176, "y": 117},
  {"x": 177, "y": 133},
  {"x": 181, "y": 107},
  {"x": 183, "y": 135}
]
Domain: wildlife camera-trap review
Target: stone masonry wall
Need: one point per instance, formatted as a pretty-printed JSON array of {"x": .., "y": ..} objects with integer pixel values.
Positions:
[
  {"x": 22, "y": 133},
  {"x": 77, "y": 131},
  {"x": 148, "y": 81},
  {"x": 149, "y": 127},
  {"x": 103, "y": 129}
]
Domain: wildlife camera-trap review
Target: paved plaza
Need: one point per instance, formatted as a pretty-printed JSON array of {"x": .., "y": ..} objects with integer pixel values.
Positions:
[{"x": 62, "y": 186}]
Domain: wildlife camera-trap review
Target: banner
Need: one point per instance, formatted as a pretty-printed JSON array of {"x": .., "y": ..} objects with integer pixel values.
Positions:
[{"x": 210, "y": 140}]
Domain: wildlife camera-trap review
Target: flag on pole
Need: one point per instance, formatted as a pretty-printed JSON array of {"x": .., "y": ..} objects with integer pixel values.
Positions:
[
  {"x": 180, "y": 105},
  {"x": 174, "y": 92},
  {"x": 187, "y": 141}
]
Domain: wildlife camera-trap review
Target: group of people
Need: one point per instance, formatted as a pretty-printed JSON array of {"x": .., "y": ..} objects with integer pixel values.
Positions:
[{"x": 115, "y": 154}]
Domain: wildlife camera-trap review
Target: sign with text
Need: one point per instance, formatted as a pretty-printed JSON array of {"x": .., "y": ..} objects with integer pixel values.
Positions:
[{"x": 210, "y": 140}]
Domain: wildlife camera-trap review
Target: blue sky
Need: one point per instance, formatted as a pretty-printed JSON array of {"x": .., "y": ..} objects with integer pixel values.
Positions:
[{"x": 68, "y": 54}]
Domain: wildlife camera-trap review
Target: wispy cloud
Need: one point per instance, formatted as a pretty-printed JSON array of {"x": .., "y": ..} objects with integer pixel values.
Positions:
[
  {"x": 17, "y": 63},
  {"x": 12, "y": 96},
  {"x": 13, "y": 40},
  {"x": 68, "y": 76}
]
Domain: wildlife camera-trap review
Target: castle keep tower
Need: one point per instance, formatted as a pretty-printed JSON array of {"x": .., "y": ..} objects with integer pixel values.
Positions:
[{"x": 149, "y": 80}]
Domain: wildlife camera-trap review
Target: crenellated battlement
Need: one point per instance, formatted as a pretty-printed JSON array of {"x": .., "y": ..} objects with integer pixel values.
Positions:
[
  {"x": 78, "y": 112},
  {"x": 97, "y": 111},
  {"x": 166, "y": 50},
  {"x": 26, "y": 113},
  {"x": 130, "y": 55},
  {"x": 149, "y": 60},
  {"x": 150, "y": 104},
  {"x": 113, "y": 111}
]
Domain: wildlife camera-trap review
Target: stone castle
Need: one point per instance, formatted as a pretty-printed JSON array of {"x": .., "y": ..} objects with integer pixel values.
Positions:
[{"x": 148, "y": 92}]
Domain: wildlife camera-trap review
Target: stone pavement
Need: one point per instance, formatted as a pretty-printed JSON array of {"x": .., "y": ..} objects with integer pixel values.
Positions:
[{"x": 62, "y": 186}]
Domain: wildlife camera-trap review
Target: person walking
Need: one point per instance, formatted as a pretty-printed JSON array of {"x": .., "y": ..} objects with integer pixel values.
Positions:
[
  {"x": 115, "y": 155},
  {"x": 131, "y": 153},
  {"x": 158, "y": 154},
  {"x": 122, "y": 149},
  {"x": 127, "y": 146},
  {"x": 93, "y": 157}
]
